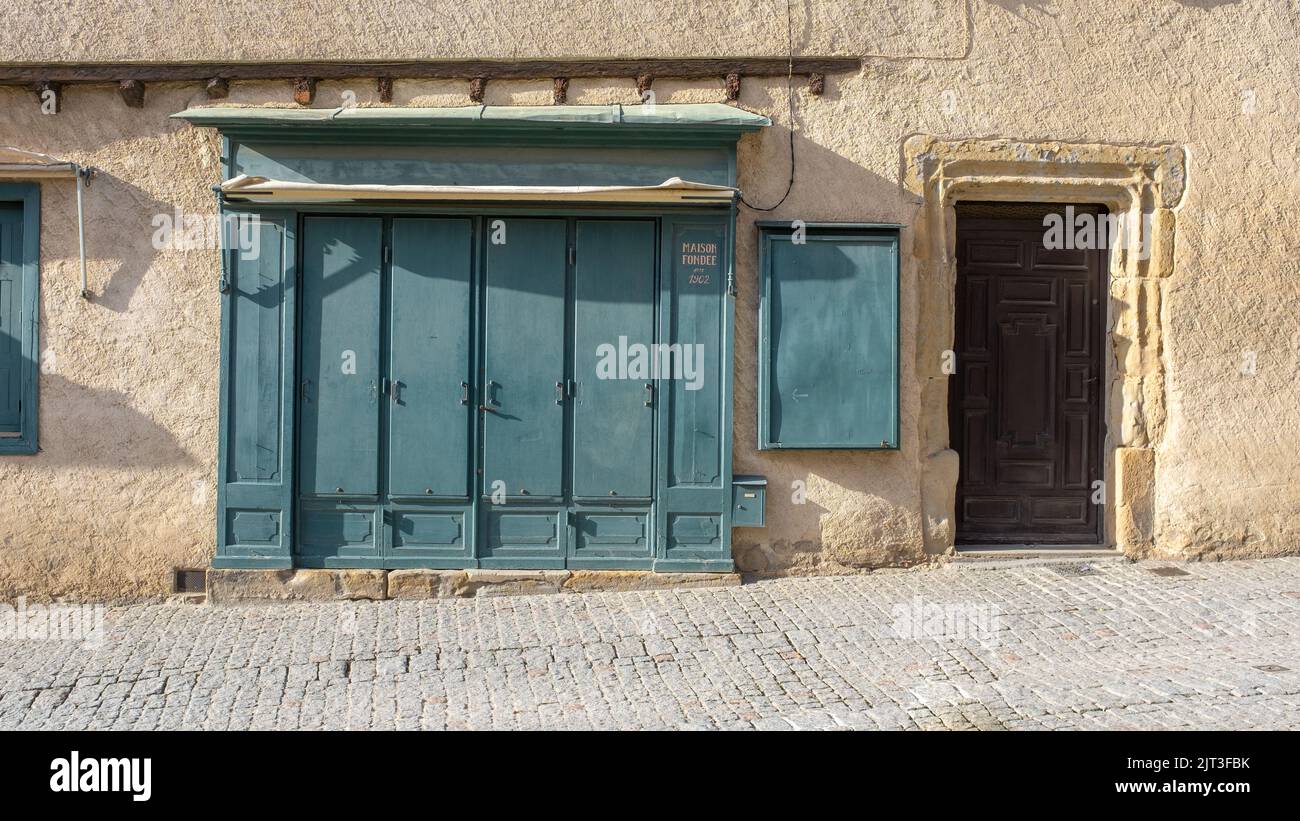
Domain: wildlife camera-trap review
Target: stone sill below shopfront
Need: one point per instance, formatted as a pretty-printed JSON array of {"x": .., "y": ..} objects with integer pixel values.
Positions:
[{"x": 228, "y": 586}]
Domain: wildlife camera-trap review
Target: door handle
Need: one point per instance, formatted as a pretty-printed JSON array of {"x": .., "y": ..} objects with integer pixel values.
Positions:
[
  {"x": 650, "y": 395},
  {"x": 489, "y": 396},
  {"x": 464, "y": 393},
  {"x": 559, "y": 393}
]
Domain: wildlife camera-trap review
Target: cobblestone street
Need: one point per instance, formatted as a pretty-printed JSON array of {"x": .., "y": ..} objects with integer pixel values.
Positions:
[{"x": 1012, "y": 646}]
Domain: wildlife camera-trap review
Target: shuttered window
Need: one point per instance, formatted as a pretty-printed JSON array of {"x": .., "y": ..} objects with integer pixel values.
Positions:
[
  {"x": 19, "y": 246},
  {"x": 828, "y": 337}
]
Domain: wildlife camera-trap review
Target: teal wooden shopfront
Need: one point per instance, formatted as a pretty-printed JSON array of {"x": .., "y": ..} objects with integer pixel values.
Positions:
[{"x": 477, "y": 337}]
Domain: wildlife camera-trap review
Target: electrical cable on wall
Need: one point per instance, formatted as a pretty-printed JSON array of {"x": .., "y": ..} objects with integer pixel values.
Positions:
[{"x": 789, "y": 88}]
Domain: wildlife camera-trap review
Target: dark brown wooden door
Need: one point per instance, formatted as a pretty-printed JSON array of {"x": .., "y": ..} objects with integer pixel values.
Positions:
[{"x": 1025, "y": 401}]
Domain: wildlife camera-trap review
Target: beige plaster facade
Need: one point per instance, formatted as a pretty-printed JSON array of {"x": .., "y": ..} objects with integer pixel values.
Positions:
[{"x": 1180, "y": 110}]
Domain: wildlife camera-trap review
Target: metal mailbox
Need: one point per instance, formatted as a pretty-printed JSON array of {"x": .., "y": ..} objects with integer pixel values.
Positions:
[{"x": 748, "y": 501}]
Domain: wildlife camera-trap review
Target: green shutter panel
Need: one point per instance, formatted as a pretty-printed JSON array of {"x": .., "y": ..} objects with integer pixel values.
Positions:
[
  {"x": 693, "y": 512},
  {"x": 428, "y": 431},
  {"x": 523, "y": 426},
  {"x": 255, "y": 458},
  {"x": 340, "y": 365},
  {"x": 613, "y": 407},
  {"x": 828, "y": 347},
  {"x": 11, "y": 336}
]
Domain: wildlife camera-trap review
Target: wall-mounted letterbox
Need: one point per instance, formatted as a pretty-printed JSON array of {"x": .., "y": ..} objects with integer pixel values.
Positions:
[{"x": 748, "y": 498}]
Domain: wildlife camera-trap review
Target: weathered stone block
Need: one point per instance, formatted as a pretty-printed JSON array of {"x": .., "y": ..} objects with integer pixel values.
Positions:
[
  {"x": 514, "y": 582},
  {"x": 1162, "y": 243},
  {"x": 235, "y": 586},
  {"x": 608, "y": 581},
  {"x": 427, "y": 584},
  {"x": 1135, "y": 500},
  {"x": 939, "y": 500}
]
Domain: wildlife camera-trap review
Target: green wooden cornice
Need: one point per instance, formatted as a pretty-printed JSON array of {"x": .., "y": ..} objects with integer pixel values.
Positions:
[{"x": 685, "y": 124}]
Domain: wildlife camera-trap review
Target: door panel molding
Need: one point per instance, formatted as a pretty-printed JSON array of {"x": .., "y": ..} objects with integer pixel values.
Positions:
[{"x": 1025, "y": 422}]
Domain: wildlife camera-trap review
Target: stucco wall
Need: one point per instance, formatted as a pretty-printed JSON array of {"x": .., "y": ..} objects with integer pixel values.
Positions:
[{"x": 123, "y": 489}]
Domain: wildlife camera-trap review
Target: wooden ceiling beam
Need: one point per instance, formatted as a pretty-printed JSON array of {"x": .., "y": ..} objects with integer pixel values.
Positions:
[{"x": 696, "y": 68}]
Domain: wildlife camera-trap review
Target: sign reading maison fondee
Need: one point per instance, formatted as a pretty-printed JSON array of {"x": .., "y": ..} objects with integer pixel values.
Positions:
[{"x": 697, "y": 257}]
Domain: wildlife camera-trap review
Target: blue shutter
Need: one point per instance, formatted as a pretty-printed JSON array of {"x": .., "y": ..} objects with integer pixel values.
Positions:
[
  {"x": 11, "y": 299},
  {"x": 523, "y": 371},
  {"x": 523, "y": 432},
  {"x": 255, "y": 458},
  {"x": 20, "y": 209},
  {"x": 828, "y": 338},
  {"x": 428, "y": 432},
  {"x": 694, "y": 504},
  {"x": 613, "y": 305}
]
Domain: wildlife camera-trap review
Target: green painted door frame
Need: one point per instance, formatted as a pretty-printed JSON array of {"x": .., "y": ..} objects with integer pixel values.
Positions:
[{"x": 684, "y": 526}]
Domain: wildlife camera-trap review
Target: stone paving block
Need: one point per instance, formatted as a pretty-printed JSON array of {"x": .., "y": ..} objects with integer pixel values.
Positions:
[{"x": 1126, "y": 652}]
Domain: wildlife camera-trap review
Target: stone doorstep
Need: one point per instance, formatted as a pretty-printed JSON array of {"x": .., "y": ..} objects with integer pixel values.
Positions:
[{"x": 230, "y": 586}]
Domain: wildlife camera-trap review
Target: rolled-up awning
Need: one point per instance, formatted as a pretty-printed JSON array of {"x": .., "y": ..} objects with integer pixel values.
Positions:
[
  {"x": 674, "y": 190},
  {"x": 15, "y": 163},
  {"x": 20, "y": 164}
]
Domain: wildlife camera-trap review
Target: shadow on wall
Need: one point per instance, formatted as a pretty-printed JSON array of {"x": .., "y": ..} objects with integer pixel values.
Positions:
[
  {"x": 867, "y": 527},
  {"x": 858, "y": 508},
  {"x": 1019, "y": 7},
  {"x": 754, "y": 552},
  {"x": 98, "y": 428},
  {"x": 119, "y": 219}
]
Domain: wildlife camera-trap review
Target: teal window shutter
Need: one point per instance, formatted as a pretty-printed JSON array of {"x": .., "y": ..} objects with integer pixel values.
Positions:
[
  {"x": 828, "y": 337},
  {"x": 20, "y": 210},
  {"x": 254, "y": 488},
  {"x": 693, "y": 503}
]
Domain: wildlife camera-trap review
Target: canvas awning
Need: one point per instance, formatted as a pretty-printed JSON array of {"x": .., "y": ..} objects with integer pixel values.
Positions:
[
  {"x": 15, "y": 163},
  {"x": 247, "y": 188},
  {"x": 647, "y": 154}
]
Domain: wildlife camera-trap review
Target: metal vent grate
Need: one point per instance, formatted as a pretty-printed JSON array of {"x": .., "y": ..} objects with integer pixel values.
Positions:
[{"x": 186, "y": 580}]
